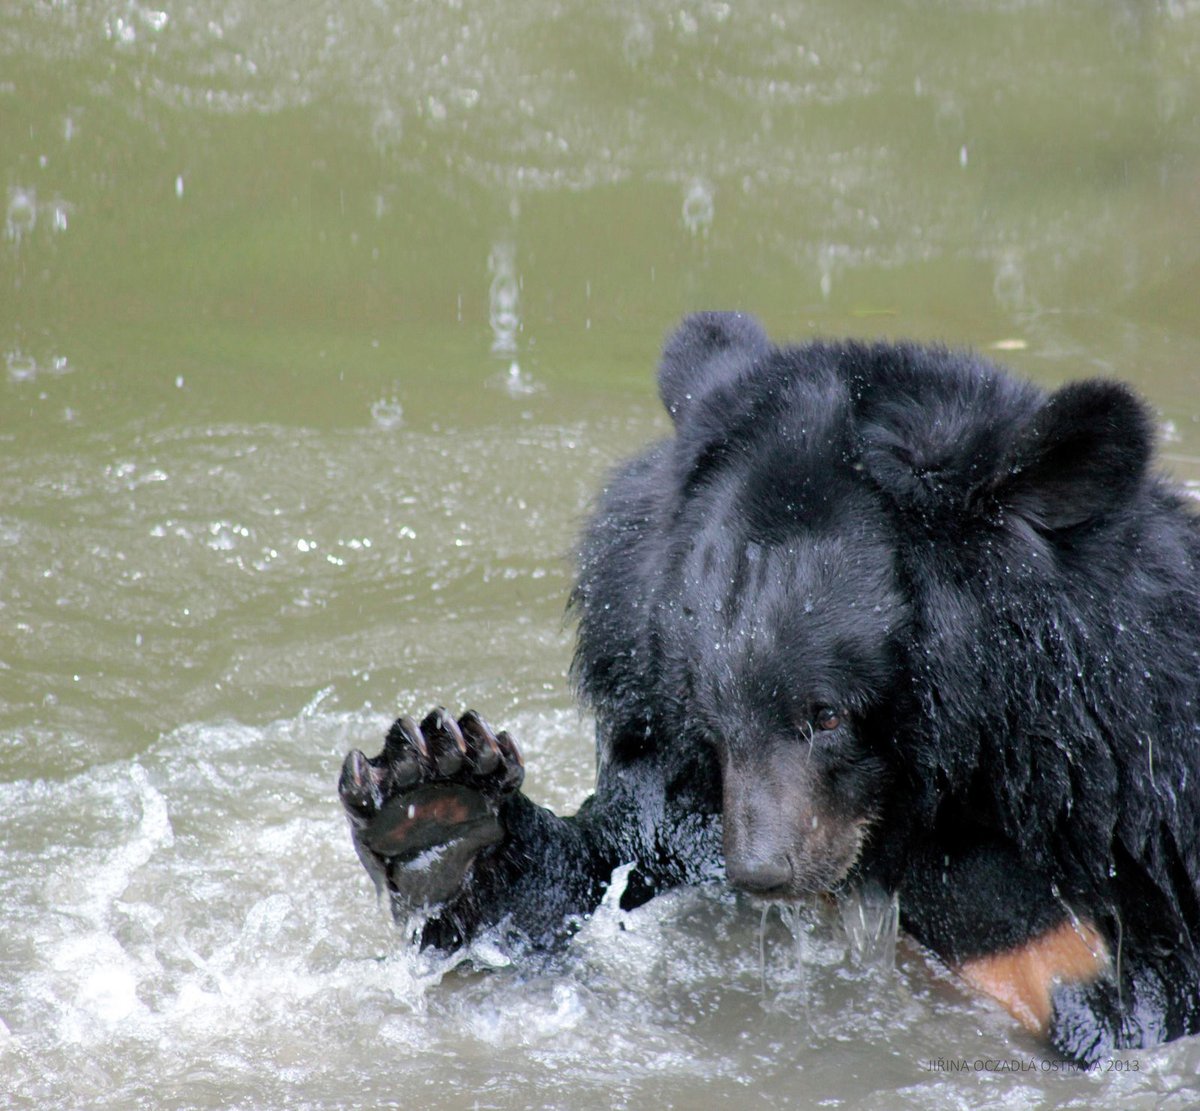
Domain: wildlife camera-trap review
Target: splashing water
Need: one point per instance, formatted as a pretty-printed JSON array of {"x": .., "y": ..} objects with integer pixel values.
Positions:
[
  {"x": 698, "y": 207},
  {"x": 504, "y": 297},
  {"x": 504, "y": 315},
  {"x": 871, "y": 919},
  {"x": 793, "y": 986},
  {"x": 21, "y": 216}
]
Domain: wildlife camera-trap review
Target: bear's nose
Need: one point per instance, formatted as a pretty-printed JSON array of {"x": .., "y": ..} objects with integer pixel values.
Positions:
[{"x": 759, "y": 876}]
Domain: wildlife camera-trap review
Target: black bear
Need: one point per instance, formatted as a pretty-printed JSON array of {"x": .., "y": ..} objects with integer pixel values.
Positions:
[{"x": 875, "y": 613}]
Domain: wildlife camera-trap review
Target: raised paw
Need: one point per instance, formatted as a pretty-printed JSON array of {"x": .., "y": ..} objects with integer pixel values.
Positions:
[{"x": 423, "y": 808}]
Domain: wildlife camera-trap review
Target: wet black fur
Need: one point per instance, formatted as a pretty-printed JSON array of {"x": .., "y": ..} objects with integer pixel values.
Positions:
[{"x": 990, "y": 580}]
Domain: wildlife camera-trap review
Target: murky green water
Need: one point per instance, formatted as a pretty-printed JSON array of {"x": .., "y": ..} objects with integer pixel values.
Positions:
[{"x": 320, "y": 323}]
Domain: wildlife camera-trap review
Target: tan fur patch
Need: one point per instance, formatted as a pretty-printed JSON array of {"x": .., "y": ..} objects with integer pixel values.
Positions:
[{"x": 1022, "y": 978}]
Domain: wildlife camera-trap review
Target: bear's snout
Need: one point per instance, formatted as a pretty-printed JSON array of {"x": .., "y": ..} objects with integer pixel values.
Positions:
[
  {"x": 779, "y": 842},
  {"x": 767, "y": 877}
]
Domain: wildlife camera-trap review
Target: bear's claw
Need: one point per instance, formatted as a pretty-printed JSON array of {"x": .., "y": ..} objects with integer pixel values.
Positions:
[
  {"x": 405, "y": 754},
  {"x": 358, "y": 787},
  {"x": 484, "y": 748},
  {"x": 423, "y": 808},
  {"x": 447, "y": 748}
]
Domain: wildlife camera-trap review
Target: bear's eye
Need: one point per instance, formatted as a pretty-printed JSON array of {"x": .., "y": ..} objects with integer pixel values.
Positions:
[{"x": 827, "y": 717}]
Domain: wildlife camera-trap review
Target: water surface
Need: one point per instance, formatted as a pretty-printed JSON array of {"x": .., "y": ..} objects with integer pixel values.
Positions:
[{"x": 320, "y": 325}]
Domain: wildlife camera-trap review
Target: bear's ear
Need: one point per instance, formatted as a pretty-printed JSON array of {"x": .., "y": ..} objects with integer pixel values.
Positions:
[
  {"x": 708, "y": 348},
  {"x": 1085, "y": 453}
]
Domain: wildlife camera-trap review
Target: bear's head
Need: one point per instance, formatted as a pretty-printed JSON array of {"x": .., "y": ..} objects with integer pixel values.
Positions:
[
  {"x": 777, "y": 606},
  {"x": 824, "y": 575}
]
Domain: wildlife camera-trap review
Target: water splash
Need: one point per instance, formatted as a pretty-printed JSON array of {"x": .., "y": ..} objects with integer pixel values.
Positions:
[
  {"x": 504, "y": 297},
  {"x": 504, "y": 315},
  {"x": 124, "y": 29},
  {"x": 21, "y": 367},
  {"x": 21, "y": 216},
  {"x": 795, "y": 920},
  {"x": 698, "y": 207},
  {"x": 609, "y": 919},
  {"x": 871, "y": 919},
  {"x": 24, "y": 212},
  {"x": 387, "y": 413},
  {"x": 518, "y": 383}
]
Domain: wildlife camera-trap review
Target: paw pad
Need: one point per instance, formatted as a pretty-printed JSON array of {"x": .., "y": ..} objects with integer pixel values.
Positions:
[{"x": 422, "y": 808}]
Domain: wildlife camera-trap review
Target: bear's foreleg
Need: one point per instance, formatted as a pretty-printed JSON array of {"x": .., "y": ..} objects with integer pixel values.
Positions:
[{"x": 439, "y": 823}]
